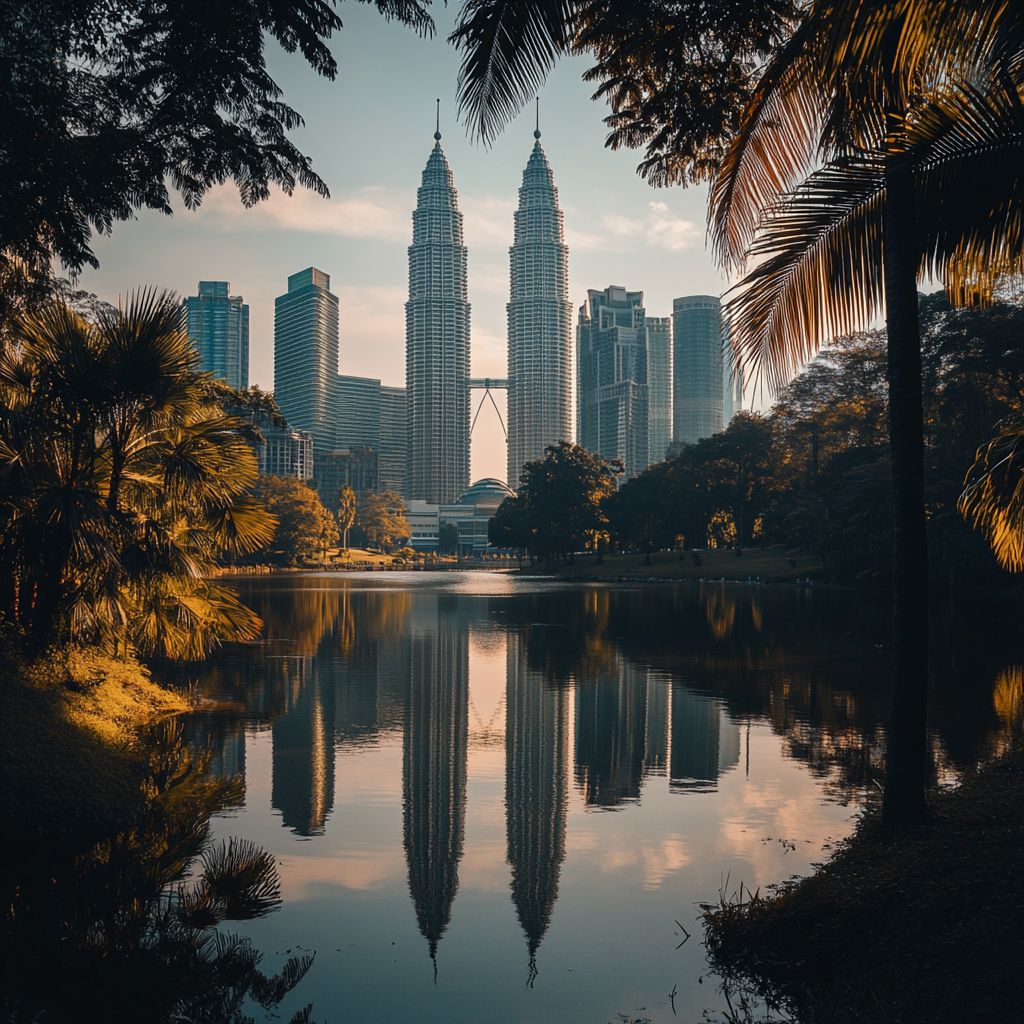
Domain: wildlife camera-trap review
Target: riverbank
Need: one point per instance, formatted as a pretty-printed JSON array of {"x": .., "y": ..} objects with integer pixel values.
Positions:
[
  {"x": 69, "y": 763},
  {"x": 922, "y": 925},
  {"x": 778, "y": 563}
]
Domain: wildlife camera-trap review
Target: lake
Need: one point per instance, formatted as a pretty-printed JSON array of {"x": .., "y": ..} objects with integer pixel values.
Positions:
[{"x": 503, "y": 799}]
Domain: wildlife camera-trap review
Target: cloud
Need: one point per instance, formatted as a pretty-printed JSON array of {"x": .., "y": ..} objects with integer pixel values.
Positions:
[
  {"x": 619, "y": 225},
  {"x": 670, "y": 232},
  {"x": 372, "y": 212}
]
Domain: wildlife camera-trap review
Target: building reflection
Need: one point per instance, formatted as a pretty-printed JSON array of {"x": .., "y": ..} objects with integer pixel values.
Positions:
[
  {"x": 303, "y": 750},
  {"x": 536, "y": 791},
  {"x": 705, "y": 742},
  {"x": 434, "y": 759}
]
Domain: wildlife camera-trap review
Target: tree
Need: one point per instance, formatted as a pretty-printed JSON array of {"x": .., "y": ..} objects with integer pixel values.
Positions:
[
  {"x": 346, "y": 512},
  {"x": 106, "y": 105},
  {"x": 381, "y": 520},
  {"x": 993, "y": 498},
  {"x": 558, "y": 507},
  {"x": 122, "y": 484},
  {"x": 305, "y": 528},
  {"x": 448, "y": 538}
]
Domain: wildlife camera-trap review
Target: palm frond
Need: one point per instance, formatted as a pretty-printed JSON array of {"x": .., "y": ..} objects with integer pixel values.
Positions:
[
  {"x": 508, "y": 49},
  {"x": 776, "y": 146},
  {"x": 820, "y": 274},
  {"x": 993, "y": 496}
]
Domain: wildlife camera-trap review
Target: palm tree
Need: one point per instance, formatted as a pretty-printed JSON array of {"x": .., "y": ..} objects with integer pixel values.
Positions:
[
  {"x": 993, "y": 497},
  {"x": 122, "y": 483},
  {"x": 901, "y": 138},
  {"x": 346, "y": 512},
  {"x": 853, "y": 169}
]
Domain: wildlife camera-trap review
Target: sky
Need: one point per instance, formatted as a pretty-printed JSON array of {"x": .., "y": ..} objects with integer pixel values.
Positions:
[{"x": 369, "y": 134}]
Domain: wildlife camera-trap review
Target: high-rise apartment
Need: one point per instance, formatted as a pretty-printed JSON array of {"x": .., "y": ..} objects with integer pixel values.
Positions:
[
  {"x": 659, "y": 385},
  {"x": 612, "y": 389},
  {"x": 306, "y": 355},
  {"x": 393, "y": 439},
  {"x": 697, "y": 366},
  {"x": 218, "y": 323},
  {"x": 357, "y": 412},
  {"x": 437, "y": 341},
  {"x": 539, "y": 321}
]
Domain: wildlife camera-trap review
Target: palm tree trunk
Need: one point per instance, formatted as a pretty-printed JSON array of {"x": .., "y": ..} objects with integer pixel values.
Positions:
[{"x": 906, "y": 754}]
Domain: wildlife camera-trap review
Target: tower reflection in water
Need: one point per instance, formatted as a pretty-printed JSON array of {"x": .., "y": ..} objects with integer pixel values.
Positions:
[
  {"x": 434, "y": 759},
  {"x": 536, "y": 792}
]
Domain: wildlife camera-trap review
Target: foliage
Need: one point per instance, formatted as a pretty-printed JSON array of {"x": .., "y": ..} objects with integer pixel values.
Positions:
[
  {"x": 108, "y": 105},
  {"x": 380, "y": 518},
  {"x": 122, "y": 484},
  {"x": 261, "y": 403},
  {"x": 346, "y": 513},
  {"x": 305, "y": 528},
  {"x": 448, "y": 538},
  {"x": 814, "y": 472},
  {"x": 558, "y": 506}
]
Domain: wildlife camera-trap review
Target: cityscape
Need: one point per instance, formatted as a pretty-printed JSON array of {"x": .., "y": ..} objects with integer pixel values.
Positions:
[{"x": 642, "y": 385}]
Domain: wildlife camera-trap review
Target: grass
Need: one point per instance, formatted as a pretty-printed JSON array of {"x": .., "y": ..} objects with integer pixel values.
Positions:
[
  {"x": 721, "y": 563},
  {"x": 68, "y": 721},
  {"x": 922, "y": 924}
]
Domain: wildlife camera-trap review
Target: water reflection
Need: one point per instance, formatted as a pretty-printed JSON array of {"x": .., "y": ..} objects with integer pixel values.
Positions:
[
  {"x": 536, "y": 792},
  {"x": 434, "y": 760},
  {"x": 613, "y": 699}
]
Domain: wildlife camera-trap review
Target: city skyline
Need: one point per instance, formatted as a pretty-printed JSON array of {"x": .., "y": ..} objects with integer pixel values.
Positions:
[{"x": 616, "y": 226}]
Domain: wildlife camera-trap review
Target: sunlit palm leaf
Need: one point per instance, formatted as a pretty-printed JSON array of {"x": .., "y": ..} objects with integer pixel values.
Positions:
[{"x": 993, "y": 497}]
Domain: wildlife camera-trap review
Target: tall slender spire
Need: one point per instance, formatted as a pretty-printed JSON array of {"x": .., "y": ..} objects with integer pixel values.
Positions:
[
  {"x": 437, "y": 340},
  {"x": 539, "y": 320},
  {"x": 437, "y": 129}
]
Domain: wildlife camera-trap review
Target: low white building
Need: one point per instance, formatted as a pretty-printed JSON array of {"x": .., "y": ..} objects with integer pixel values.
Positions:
[{"x": 471, "y": 514}]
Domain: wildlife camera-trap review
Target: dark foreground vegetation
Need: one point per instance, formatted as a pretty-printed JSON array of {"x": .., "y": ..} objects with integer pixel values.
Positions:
[
  {"x": 921, "y": 925},
  {"x": 105, "y": 806}
]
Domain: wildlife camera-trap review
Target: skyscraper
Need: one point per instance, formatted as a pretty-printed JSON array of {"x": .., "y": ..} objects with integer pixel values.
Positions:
[
  {"x": 437, "y": 341},
  {"x": 612, "y": 390},
  {"x": 306, "y": 355},
  {"x": 357, "y": 413},
  {"x": 698, "y": 370},
  {"x": 392, "y": 439},
  {"x": 219, "y": 325},
  {"x": 539, "y": 321},
  {"x": 659, "y": 385}
]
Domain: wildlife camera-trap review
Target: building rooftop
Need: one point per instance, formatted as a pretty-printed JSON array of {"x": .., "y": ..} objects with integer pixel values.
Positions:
[{"x": 490, "y": 492}]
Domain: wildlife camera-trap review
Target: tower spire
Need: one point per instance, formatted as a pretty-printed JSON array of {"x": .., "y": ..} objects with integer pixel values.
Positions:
[
  {"x": 437, "y": 130},
  {"x": 536, "y": 131}
]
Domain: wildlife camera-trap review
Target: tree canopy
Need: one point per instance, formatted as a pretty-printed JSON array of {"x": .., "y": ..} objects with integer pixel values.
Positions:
[
  {"x": 122, "y": 483},
  {"x": 305, "y": 528},
  {"x": 110, "y": 106},
  {"x": 380, "y": 518}
]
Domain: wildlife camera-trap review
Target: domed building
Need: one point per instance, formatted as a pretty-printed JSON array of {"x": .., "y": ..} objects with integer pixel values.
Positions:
[
  {"x": 487, "y": 493},
  {"x": 470, "y": 515}
]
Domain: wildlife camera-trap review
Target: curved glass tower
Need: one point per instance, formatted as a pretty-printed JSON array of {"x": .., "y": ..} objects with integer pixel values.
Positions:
[
  {"x": 437, "y": 342},
  {"x": 698, "y": 371},
  {"x": 539, "y": 322}
]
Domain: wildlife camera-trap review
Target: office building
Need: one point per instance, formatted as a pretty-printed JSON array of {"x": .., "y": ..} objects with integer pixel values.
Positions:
[
  {"x": 437, "y": 341},
  {"x": 471, "y": 515},
  {"x": 659, "y": 385},
  {"x": 306, "y": 355},
  {"x": 732, "y": 383},
  {"x": 354, "y": 467},
  {"x": 612, "y": 388},
  {"x": 286, "y": 452},
  {"x": 393, "y": 439},
  {"x": 218, "y": 323},
  {"x": 539, "y": 322},
  {"x": 698, "y": 368},
  {"x": 357, "y": 412}
]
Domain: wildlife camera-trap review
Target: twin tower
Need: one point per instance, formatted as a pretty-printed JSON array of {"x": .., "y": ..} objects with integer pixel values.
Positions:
[{"x": 438, "y": 380}]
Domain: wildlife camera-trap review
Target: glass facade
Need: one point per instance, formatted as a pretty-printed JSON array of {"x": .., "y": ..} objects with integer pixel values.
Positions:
[
  {"x": 392, "y": 439},
  {"x": 357, "y": 412},
  {"x": 613, "y": 411},
  {"x": 539, "y": 322},
  {"x": 218, "y": 323},
  {"x": 698, "y": 365},
  {"x": 437, "y": 342},
  {"x": 306, "y": 355},
  {"x": 659, "y": 385}
]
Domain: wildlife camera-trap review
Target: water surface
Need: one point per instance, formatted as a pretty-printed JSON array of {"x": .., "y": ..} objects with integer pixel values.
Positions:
[{"x": 503, "y": 800}]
